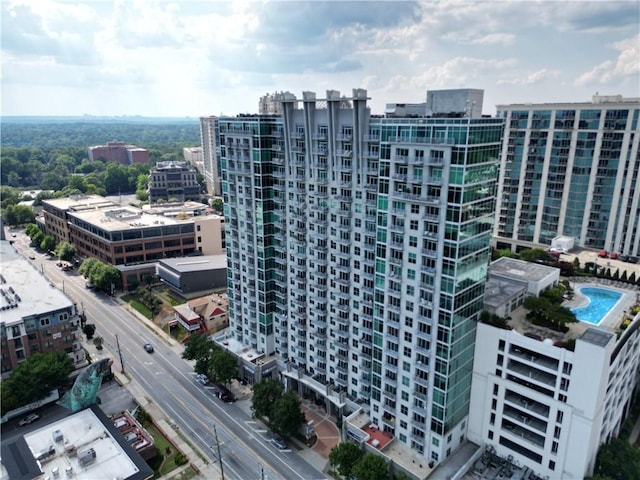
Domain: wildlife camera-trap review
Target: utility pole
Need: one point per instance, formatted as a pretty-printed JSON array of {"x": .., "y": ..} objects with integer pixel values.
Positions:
[
  {"x": 120, "y": 355},
  {"x": 215, "y": 433}
]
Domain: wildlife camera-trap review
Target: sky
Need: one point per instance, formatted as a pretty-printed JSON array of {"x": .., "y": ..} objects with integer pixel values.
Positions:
[{"x": 195, "y": 58}]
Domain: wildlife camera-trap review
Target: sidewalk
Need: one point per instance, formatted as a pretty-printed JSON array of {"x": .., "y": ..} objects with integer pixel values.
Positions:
[{"x": 206, "y": 471}]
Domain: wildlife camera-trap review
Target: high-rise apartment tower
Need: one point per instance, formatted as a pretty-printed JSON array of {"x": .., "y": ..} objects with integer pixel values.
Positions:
[
  {"x": 357, "y": 253},
  {"x": 571, "y": 169}
]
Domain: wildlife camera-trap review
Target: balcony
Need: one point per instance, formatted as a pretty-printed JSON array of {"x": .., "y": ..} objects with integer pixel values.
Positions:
[
  {"x": 319, "y": 136},
  {"x": 371, "y": 138},
  {"x": 344, "y": 137},
  {"x": 429, "y": 253},
  {"x": 402, "y": 159},
  {"x": 345, "y": 153}
]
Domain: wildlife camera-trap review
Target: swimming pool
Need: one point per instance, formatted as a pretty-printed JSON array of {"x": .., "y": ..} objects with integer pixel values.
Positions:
[{"x": 601, "y": 301}]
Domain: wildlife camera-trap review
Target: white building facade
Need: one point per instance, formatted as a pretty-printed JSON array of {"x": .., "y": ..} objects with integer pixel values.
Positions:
[
  {"x": 549, "y": 408},
  {"x": 357, "y": 254},
  {"x": 211, "y": 154},
  {"x": 571, "y": 169}
]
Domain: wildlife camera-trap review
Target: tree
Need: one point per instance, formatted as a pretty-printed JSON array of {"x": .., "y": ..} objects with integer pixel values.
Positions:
[
  {"x": 344, "y": 456},
  {"x": 65, "y": 251},
  {"x": 199, "y": 348},
  {"x": 619, "y": 460},
  {"x": 89, "y": 329},
  {"x": 371, "y": 467},
  {"x": 100, "y": 274},
  {"x": 98, "y": 341},
  {"x": 265, "y": 395},
  {"x": 48, "y": 243},
  {"x": 217, "y": 204},
  {"x": 533, "y": 254},
  {"x": 18, "y": 215},
  {"x": 34, "y": 378},
  {"x": 223, "y": 366},
  {"x": 286, "y": 414}
]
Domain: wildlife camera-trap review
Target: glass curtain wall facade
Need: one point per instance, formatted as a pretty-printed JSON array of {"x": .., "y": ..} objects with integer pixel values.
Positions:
[
  {"x": 571, "y": 169},
  {"x": 373, "y": 237}
]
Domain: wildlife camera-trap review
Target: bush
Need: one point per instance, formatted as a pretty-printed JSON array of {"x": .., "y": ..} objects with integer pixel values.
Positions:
[{"x": 180, "y": 459}]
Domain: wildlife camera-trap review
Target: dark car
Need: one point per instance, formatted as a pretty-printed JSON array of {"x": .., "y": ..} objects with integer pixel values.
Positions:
[
  {"x": 29, "y": 419},
  {"x": 633, "y": 260},
  {"x": 148, "y": 348},
  {"x": 224, "y": 394},
  {"x": 623, "y": 258}
]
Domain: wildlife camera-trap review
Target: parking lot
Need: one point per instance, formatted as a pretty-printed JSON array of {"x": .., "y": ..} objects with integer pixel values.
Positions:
[{"x": 585, "y": 256}]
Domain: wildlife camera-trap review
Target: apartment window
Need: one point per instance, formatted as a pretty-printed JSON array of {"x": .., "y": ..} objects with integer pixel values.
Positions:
[
  {"x": 552, "y": 465},
  {"x": 495, "y": 389},
  {"x": 413, "y": 225},
  {"x": 44, "y": 322},
  {"x": 492, "y": 420},
  {"x": 559, "y": 416},
  {"x": 501, "y": 345},
  {"x": 494, "y": 404},
  {"x": 554, "y": 447},
  {"x": 415, "y": 208},
  {"x": 556, "y": 432}
]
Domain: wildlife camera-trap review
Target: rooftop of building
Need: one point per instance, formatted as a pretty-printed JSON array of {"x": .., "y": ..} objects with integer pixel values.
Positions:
[
  {"x": 171, "y": 165},
  {"x": 25, "y": 291},
  {"x": 603, "y": 100},
  {"x": 58, "y": 448},
  {"x": 125, "y": 218},
  {"x": 516, "y": 269},
  {"x": 79, "y": 202},
  {"x": 176, "y": 208},
  {"x": 498, "y": 291},
  {"x": 597, "y": 334},
  {"x": 195, "y": 264}
]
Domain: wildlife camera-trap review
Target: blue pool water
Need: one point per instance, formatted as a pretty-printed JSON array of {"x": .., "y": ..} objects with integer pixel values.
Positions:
[{"x": 601, "y": 301}]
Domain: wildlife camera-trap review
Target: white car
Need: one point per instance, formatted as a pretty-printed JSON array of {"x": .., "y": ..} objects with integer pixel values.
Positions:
[{"x": 202, "y": 378}]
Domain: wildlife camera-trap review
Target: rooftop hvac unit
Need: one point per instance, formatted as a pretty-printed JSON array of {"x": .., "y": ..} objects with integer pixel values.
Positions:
[
  {"x": 57, "y": 436},
  {"x": 86, "y": 457}
]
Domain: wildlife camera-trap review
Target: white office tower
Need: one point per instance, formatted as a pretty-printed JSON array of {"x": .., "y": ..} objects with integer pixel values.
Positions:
[
  {"x": 357, "y": 253},
  {"x": 549, "y": 408},
  {"x": 571, "y": 169},
  {"x": 211, "y": 154}
]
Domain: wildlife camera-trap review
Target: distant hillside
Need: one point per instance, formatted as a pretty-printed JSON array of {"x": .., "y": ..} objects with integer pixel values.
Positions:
[{"x": 55, "y": 132}]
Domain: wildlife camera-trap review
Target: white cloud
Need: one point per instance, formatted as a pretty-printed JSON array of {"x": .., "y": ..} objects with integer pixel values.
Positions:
[
  {"x": 627, "y": 64},
  {"x": 183, "y": 57},
  {"x": 530, "y": 78},
  {"x": 495, "y": 39}
]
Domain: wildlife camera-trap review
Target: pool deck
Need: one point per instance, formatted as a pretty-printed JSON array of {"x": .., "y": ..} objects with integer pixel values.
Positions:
[
  {"x": 611, "y": 322},
  {"x": 616, "y": 315}
]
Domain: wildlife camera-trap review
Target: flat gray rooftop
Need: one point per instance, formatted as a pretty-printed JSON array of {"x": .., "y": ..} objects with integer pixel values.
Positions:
[
  {"x": 520, "y": 270},
  {"x": 26, "y": 288},
  {"x": 498, "y": 291},
  {"x": 192, "y": 264}
]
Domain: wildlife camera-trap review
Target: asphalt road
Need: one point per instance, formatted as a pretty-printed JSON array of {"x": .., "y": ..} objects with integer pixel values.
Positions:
[{"x": 170, "y": 382}]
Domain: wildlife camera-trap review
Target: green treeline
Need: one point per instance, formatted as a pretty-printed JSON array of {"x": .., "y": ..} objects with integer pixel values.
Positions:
[
  {"x": 52, "y": 156},
  {"x": 85, "y": 134}
]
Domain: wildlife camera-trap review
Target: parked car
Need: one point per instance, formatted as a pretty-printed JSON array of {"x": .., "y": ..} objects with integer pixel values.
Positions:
[
  {"x": 148, "y": 348},
  {"x": 278, "y": 442},
  {"x": 603, "y": 254},
  {"x": 623, "y": 258},
  {"x": 613, "y": 256},
  {"x": 32, "y": 257},
  {"x": 633, "y": 260},
  {"x": 224, "y": 394},
  {"x": 29, "y": 419},
  {"x": 202, "y": 378}
]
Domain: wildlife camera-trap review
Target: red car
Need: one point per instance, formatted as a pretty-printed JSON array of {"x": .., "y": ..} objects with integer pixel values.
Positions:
[
  {"x": 603, "y": 254},
  {"x": 613, "y": 255}
]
